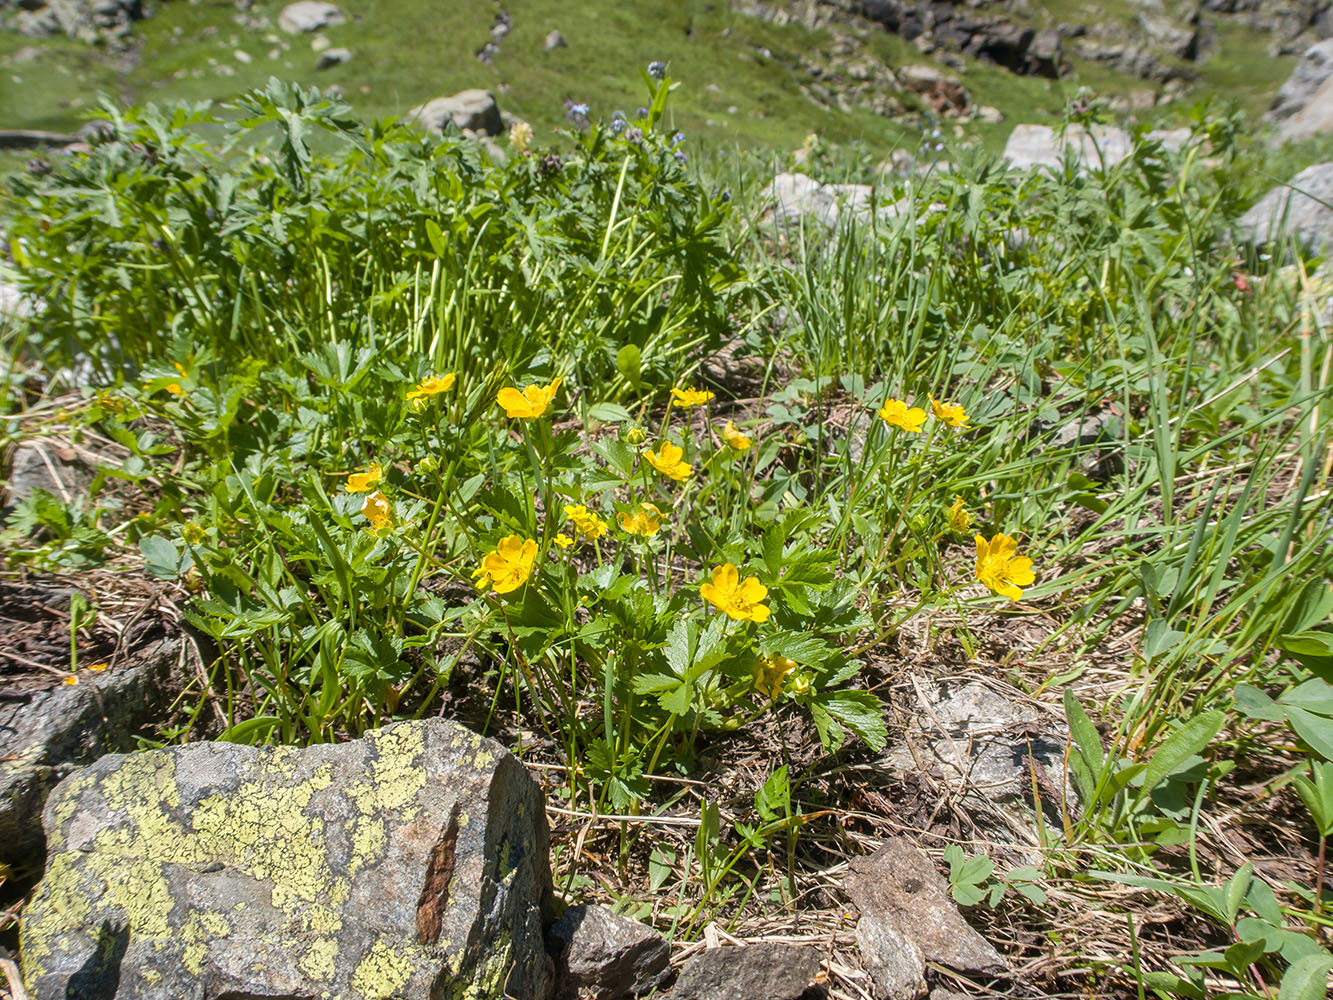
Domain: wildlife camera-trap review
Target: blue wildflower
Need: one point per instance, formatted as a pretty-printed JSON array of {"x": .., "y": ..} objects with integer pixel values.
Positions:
[
  {"x": 634, "y": 135},
  {"x": 641, "y": 113},
  {"x": 680, "y": 156},
  {"x": 678, "y": 138},
  {"x": 657, "y": 70},
  {"x": 579, "y": 109}
]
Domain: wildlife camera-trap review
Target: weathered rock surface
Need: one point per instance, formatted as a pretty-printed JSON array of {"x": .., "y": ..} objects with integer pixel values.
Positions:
[
  {"x": 91, "y": 21},
  {"x": 474, "y": 111},
  {"x": 35, "y": 465},
  {"x": 309, "y": 15},
  {"x": 1315, "y": 118},
  {"x": 1100, "y": 146},
  {"x": 604, "y": 955},
  {"x": 46, "y": 735},
  {"x": 898, "y": 890},
  {"x": 988, "y": 746},
  {"x": 892, "y": 959},
  {"x": 765, "y": 971},
  {"x": 329, "y": 58},
  {"x": 1314, "y": 69},
  {"x": 412, "y": 863},
  {"x": 1299, "y": 208},
  {"x": 796, "y": 196},
  {"x": 553, "y": 40}
]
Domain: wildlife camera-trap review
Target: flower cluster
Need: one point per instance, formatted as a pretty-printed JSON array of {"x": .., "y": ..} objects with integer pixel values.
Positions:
[
  {"x": 645, "y": 520},
  {"x": 897, "y": 413},
  {"x": 770, "y": 675},
  {"x": 586, "y": 522}
]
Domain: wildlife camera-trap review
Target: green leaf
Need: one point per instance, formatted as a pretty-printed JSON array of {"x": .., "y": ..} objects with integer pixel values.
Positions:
[
  {"x": 251, "y": 731},
  {"x": 609, "y": 413},
  {"x": 1306, "y": 979},
  {"x": 1314, "y": 729},
  {"x": 773, "y": 800},
  {"x": 860, "y": 712},
  {"x": 1159, "y": 638},
  {"x": 1254, "y": 704},
  {"x": 1315, "y": 695},
  {"x": 436, "y": 237},
  {"x": 629, "y": 362},
  {"x": 1311, "y": 643},
  {"x": 1181, "y": 745},
  {"x": 1086, "y": 738},
  {"x": 161, "y": 555},
  {"x": 978, "y": 869}
]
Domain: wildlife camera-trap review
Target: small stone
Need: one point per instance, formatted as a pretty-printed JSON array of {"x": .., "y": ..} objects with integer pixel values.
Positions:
[
  {"x": 554, "y": 40},
  {"x": 309, "y": 15},
  {"x": 765, "y": 971},
  {"x": 333, "y": 57},
  {"x": 606, "y": 954},
  {"x": 241, "y": 56},
  {"x": 898, "y": 886},
  {"x": 893, "y": 960},
  {"x": 319, "y": 43},
  {"x": 1299, "y": 208}
]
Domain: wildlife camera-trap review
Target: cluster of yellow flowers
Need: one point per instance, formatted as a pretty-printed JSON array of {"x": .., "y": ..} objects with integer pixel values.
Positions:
[
  {"x": 511, "y": 563},
  {"x": 586, "y": 522},
  {"x": 646, "y": 520},
  {"x": 770, "y": 675},
  {"x": 898, "y": 414}
]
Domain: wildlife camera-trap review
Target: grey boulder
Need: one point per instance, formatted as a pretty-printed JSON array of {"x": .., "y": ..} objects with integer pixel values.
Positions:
[
  {"x": 309, "y": 15},
  {"x": 1312, "y": 72},
  {"x": 1297, "y": 209},
  {"x": 1038, "y": 146},
  {"x": 474, "y": 111},
  {"x": 46, "y": 735},
  {"x": 412, "y": 863},
  {"x": 604, "y": 955}
]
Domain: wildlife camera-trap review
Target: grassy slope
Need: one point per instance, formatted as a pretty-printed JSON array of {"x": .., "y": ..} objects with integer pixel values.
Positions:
[{"x": 189, "y": 51}]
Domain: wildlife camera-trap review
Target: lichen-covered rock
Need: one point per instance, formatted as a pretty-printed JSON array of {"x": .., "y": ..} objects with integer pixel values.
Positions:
[{"x": 411, "y": 863}]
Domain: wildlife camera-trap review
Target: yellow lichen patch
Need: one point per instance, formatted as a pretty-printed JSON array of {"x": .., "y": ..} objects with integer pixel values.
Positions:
[
  {"x": 368, "y": 843},
  {"x": 317, "y": 962},
  {"x": 395, "y": 777},
  {"x": 383, "y": 972}
]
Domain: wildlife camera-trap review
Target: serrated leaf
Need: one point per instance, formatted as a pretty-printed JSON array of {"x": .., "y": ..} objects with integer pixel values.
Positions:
[{"x": 860, "y": 712}]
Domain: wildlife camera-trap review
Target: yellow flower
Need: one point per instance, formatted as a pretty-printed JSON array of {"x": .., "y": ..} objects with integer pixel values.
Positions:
[
  {"x": 98, "y": 667},
  {"x": 509, "y": 566},
  {"x": 563, "y": 540},
  {"x": 769, "y": 674},
  {"x": 951, "y": 413},
  {"x": 739, "y": 599},
  {"x": 70, "y": 680},
  {"x": 529, "y": 404},
  {"x": 432, "y": 386},
  {"x": 667, "y": 460},
  {"x": 1000, "y": 567},
  {"x": 359, "y": 482},
  {"x": 175, "y": 390},
  {"x": 959, "y": 518},
  {"x": 586, "y": 521},
  {"x": 735, "y": 438},
  {"x": 193, "y": 533},
  {"x": 685, "y": 398},
  {"x": 377, "y": 511},
  {"x": 646, "y": 520},
  {"x": 898, "y": 414}
]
